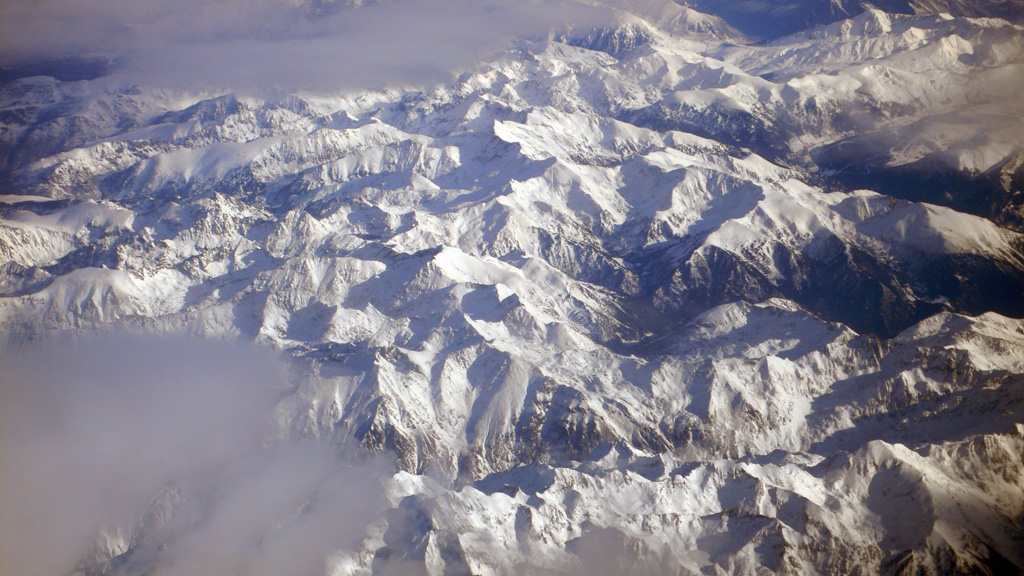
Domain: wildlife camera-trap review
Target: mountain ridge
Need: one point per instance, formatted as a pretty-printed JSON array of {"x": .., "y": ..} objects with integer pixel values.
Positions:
[{"x": 605, "y": 291}]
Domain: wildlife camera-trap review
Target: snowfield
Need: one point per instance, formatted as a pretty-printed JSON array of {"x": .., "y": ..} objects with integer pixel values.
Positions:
[{"x": 632, "y": 300}]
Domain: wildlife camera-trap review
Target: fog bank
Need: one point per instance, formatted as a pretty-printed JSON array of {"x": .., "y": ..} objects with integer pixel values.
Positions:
[
  {"x": 275, "y": 44},
  {"x": 165, "y": 444}
]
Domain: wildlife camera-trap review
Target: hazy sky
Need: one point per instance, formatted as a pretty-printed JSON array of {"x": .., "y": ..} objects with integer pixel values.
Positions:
[{"x": 261, "y": 44}]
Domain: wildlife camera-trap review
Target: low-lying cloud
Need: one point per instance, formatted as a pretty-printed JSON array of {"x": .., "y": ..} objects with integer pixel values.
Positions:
[
  {"x": 165, "y": 444},
  {"x": 280, "y": 44}
]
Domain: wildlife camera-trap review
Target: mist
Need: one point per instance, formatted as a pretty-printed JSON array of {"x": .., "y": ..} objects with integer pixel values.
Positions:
[
  {"x": 166, "y": 444},
  {"x": 255, "y": 45}
]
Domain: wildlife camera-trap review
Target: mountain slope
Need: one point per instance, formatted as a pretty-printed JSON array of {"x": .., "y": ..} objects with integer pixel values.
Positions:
[{"x": 608, "y": 298}]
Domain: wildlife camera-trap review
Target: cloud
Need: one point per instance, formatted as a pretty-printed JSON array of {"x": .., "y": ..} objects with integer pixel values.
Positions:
[
  {"x": 283, "y": 512},
  {"x": 166, "y": 443},
  {"x": 278, "y": 44}
]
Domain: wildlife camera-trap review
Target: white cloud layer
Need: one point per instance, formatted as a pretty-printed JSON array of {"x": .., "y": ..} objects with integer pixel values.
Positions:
[
  {"x": 94, "y": 430},
  {"x": 275, "y": 44}
]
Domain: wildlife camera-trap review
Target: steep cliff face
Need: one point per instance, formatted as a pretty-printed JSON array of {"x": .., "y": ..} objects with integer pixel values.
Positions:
[{"x": 607, "y": 298}]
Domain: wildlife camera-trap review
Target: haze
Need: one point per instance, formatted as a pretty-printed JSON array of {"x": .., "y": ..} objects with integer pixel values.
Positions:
[
  {"x": 102, "y": 435},
  {"x": 278, "y": 44}
]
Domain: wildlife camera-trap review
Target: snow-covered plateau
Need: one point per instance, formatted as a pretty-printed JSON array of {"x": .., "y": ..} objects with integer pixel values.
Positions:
[{"x": 654, "y": 298}]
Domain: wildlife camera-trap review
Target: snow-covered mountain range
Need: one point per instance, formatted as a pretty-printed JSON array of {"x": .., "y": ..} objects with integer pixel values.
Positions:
[{"x": 648, "y": 298}]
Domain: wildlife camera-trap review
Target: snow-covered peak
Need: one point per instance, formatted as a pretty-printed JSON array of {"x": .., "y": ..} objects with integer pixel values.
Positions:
[{"x": 652, "y": 289}]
